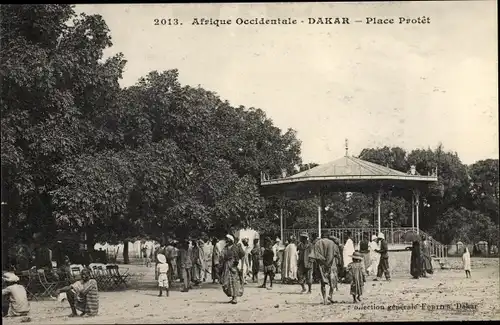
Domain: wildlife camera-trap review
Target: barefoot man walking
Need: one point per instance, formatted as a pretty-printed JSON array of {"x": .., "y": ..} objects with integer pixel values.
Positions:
[{"x": 325, "y": 252}]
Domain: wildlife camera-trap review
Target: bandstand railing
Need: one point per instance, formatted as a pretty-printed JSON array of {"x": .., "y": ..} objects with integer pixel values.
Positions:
[{"x": 395, "y": 237}]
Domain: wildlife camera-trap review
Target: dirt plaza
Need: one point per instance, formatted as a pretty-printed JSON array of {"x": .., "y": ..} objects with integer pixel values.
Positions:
[{"x": 446, "y": 295}]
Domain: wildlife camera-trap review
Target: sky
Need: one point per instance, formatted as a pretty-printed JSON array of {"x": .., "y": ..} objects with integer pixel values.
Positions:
[{"x": 405, "y": 85}]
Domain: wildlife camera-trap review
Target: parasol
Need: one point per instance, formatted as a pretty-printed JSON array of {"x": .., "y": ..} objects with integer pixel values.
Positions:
[{"x": 411, "y": 236}]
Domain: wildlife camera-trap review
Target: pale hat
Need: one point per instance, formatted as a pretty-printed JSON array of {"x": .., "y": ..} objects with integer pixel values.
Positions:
[
  {"x": 381, "y": 235},
  {"x": 374, "y": 237},
  {"x": 161, "y": 258},
  {"x": 278, "y": 239},
  {"x": 230, "y": 237},
  {"x": 10, "y": 277},
  {"x": 304, "y": 234}
]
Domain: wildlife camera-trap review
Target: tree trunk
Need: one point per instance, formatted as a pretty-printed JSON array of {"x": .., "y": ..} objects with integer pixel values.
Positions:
[
  {"x": 126, "y": 259},
  {"x": 5, "y": 237},
  {"x": 90, "y": 242}
]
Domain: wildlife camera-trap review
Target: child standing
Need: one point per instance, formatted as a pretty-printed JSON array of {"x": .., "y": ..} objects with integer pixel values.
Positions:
[
  {"x": 269, "y": 268},
  {"x": 162, "y": 270},
  {"x": 357, "y": 273},
  {"x": 466, "y": 261}
]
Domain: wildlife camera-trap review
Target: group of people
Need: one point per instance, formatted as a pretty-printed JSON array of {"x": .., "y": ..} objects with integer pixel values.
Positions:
[
  {"x": 231, "y": 264},
  {"x": 326, "y": 256},
  {"x": 300, "y": 262},
  {"x": 189, "y": 261},
  {"x": 421, "y": 260},
  {"x": 374, "y": 253}
]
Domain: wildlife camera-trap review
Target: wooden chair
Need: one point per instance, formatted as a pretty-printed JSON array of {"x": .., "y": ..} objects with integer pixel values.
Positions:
[
  {"x": 29, "y": 280},
  {"x": 102, "y": 278},
  {"x": 49, "y": 287},
  {"x": 118, "y": 278}
]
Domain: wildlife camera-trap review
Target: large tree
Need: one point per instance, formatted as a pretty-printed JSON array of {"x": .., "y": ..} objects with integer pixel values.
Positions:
[{"x": 53, "y": 83}]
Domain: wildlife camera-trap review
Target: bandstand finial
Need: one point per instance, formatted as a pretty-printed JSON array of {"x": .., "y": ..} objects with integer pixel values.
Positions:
[{"x": 346, "y": 147}]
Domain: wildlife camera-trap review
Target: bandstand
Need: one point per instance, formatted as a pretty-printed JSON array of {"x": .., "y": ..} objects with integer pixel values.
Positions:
[{"x": 350, "y": 174}]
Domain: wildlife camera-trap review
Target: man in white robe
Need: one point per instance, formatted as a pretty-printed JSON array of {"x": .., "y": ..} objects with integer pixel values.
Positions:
[
  {"x": 275, "y": 248},
  {"x": 290, "y": 262},
  {"x": 244, "y": 263},
  {"x": 348, "y": 250},
  {"x": 374, "y": 256}
]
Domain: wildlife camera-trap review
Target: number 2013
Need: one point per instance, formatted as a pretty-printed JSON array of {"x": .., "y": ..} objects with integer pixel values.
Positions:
[{"x": 169, "y": 21}]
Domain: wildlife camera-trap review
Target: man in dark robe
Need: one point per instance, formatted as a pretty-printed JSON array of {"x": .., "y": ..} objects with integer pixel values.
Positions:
[
  {"x": 186, "y": 265},
  {"x": 383, "y": 265},
  {"x": 215, "y": 260},
  {"x": 315, "y": 268},
  {"x": 171, "y": 256},
  {"x": 325, "y": 253},
  {"x": 305, "y": 264},
  {"x": 416, "y": 260}
]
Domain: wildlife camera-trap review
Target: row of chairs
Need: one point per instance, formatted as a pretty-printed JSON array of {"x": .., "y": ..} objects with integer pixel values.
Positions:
[
  {"x": 108, "y": 277},
  {"x": 39, "y": 285}
]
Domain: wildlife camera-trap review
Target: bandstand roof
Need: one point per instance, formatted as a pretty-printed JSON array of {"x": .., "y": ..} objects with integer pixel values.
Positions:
[{"x": 347, "y": 174}]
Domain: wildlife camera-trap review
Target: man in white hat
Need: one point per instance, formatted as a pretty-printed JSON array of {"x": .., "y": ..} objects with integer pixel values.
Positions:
[
  {"x": 276, "y": 250},
  {"x": 383, "y": 265},
  {"x": 18, "y": 298}
]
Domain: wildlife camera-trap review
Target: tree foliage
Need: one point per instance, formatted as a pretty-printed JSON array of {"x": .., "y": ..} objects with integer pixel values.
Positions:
[{"x": 164, "y": 159}]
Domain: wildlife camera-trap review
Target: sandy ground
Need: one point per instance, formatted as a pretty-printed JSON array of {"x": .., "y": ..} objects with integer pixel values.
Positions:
[{"x": 432, "y": 298}]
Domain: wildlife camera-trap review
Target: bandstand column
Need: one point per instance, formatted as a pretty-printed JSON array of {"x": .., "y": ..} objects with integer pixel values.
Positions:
[
  {"x": 412, "y": 210},
  {"x": 281, "y": 225},
  {"x": 379, "y": 198},
  {"x": 417, "y": 204},
  {"x": 320, "y": 211}
]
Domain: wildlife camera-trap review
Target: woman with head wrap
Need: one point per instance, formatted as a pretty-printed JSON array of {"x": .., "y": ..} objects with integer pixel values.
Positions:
[{"x": 231, "y": 278}]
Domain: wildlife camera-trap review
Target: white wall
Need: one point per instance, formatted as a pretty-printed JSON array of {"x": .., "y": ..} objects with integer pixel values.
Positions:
[{"x": 134, "y": 248}]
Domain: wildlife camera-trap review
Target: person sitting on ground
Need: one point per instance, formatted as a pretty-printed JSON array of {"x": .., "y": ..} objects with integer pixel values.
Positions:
[
  {"x": 17, "y": 304},
  {"x": 82, "y": 295}
]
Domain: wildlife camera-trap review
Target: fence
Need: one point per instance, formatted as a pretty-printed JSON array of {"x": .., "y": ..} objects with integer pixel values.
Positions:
[{"x": 393, "y": 236}]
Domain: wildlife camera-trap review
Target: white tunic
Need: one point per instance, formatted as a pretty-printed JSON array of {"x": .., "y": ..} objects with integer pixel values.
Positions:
[{"x": 348, "y": 251}]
